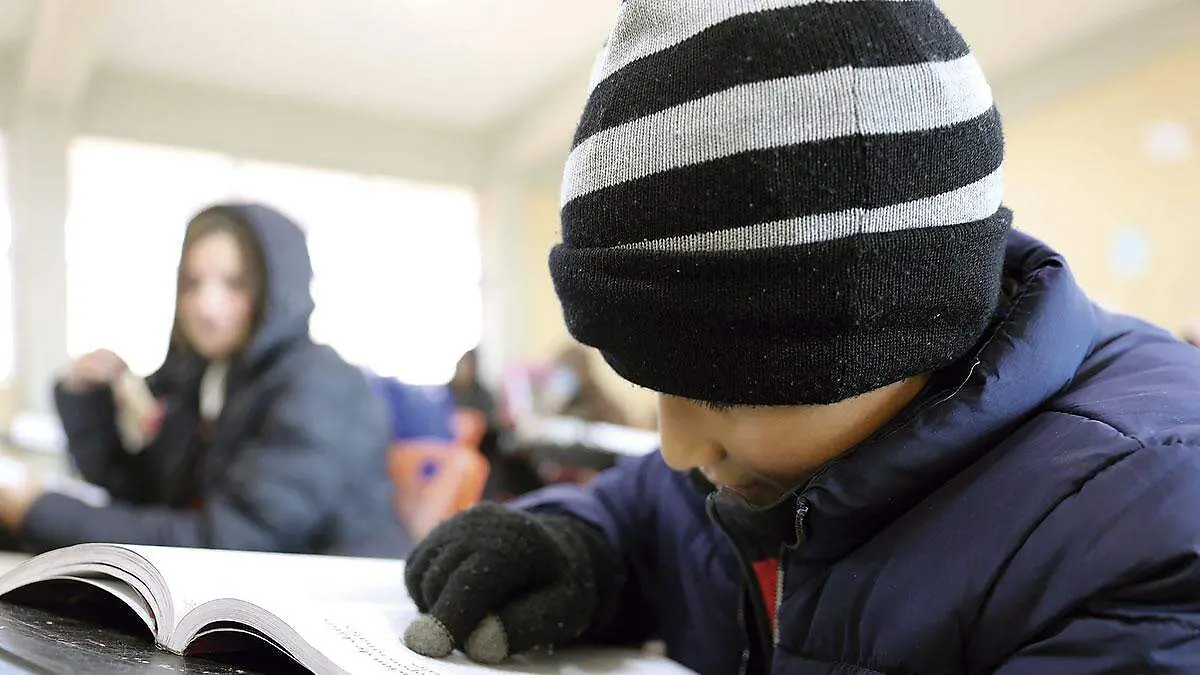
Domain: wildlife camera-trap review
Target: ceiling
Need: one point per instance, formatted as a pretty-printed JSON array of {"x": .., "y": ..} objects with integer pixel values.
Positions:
[{"x": 462, "y": 64}]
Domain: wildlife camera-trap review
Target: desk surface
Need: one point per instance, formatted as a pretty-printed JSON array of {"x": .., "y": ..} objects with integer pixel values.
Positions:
[
  {"x": 37, "y": 641},
  {"x": 46, "y": 462}
]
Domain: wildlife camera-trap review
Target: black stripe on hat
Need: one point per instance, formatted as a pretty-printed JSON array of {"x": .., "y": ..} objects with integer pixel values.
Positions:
[
  {"x": 753, "y": 47},
  {"x": 794, "y": 325},
  {"x": 787, "y": 182}
]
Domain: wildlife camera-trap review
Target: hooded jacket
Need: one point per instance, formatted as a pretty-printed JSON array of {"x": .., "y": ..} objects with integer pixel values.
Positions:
[
  {"x": 295, "y": 461},
  {"x": 1036, "y": 511}
]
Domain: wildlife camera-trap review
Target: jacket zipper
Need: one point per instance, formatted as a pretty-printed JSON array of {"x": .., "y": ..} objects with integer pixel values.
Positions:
[
  {"x": 778, "y": 594},
  {"x": 801, "y": 514},
  {"x": 749, "y": 583},
  {"x": 743, "y": 589}
]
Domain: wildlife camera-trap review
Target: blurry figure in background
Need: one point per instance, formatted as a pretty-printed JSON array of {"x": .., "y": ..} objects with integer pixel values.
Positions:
[
  {"x": 571, "y": 390},
  {"x": 436, "y": 473},
  {"x": 249, "y": 436},
  {"x": 509, "y": 473},
  {"x": 469, "y": 392},
  {"x": 416, "y": 412}
]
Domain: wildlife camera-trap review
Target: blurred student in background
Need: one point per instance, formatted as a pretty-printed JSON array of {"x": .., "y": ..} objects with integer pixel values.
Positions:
[
  {"x": 469, "y": 392},
  {"x": 509, "y": 472},
  {"x": 572, "y": 390},
  {"x": 424, "y": 413},
  {"x": 249, "y": 436}
]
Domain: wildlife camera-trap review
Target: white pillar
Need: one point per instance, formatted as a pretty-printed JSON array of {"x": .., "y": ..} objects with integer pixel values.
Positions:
[
  {"x": 37, "y": 175},
  {"x": 501, "y": 216}
]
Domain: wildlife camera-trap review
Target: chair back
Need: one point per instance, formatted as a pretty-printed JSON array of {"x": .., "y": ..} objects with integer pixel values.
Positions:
[{"x": 434, "y": 480}]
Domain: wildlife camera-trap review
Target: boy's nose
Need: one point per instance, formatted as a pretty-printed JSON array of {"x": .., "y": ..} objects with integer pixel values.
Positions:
[
  {"x": 690, "y": 434},
  {"x": 688, "y": 456},
  {"x": 686, "y": 445}
]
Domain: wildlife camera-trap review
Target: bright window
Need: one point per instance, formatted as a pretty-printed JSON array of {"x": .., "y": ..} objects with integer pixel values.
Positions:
[{"x": 396, "y": 263}]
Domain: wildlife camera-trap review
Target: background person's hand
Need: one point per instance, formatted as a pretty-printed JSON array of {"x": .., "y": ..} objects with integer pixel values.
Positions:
[
  {"x": 493, "y": 581},
  {"x": 20, "y": 487},
  {"x": 139, "y": 413},
  {"x": 95, "y": 369}
]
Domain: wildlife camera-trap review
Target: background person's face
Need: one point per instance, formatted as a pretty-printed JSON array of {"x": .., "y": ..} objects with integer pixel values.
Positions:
[
  {"x": 216, "y": 297},
  {"x": 465, "y": 371}
]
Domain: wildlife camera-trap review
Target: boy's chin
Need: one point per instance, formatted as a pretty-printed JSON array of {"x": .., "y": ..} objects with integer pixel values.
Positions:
[{"x": 755, "y": 495}]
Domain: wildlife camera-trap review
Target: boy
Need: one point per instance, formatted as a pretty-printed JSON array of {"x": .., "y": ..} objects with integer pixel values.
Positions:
[{"x": 896, "y": 436}]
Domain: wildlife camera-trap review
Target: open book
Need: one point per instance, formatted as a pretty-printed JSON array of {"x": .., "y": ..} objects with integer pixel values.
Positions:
[{"x": 332, "y": 615}]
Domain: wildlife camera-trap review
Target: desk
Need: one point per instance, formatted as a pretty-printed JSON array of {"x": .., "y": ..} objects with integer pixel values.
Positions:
[
  {"x": 35, "y": 641},
  {"x": 46, "y": 462}
]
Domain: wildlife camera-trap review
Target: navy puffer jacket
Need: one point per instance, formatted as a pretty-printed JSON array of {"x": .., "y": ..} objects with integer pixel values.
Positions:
[{"x": 1036, "y": 512}]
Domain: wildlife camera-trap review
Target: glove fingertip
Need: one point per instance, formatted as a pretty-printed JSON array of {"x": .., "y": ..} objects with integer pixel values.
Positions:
[
  {"x": 488, "y": 643},
  {"x": 428, "y": 637}
]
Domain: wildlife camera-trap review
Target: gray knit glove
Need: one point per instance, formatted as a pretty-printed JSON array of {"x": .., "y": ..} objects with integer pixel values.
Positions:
[{"x": 493, "y": 581}]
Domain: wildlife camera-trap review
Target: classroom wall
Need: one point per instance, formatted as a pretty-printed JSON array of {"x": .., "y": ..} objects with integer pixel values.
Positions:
[
  {"x": 1080, "y": 176},
  {"x": 274, "y": 129},
  {"x": 5, "y": 406}
]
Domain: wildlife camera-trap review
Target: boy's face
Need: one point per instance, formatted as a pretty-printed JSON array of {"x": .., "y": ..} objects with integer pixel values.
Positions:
[{"x": 763, "y": 452}]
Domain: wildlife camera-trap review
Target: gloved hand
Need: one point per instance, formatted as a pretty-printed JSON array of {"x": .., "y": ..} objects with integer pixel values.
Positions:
[{"x": 493, "y": 582}]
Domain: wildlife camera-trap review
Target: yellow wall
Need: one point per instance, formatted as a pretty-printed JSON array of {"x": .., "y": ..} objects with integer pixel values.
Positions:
[
  {"x": 547, "y": 332},
  {"x": 1078, "y": 173}
]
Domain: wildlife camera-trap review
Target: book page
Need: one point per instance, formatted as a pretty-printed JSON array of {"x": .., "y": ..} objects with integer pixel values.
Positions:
[
  {"x": 341, "y": 615},
  {"x": 197, "y": 576},
  {"x": 123, "y": 592},
  {"x": 111, "y": 568},
  {"x": 365, "y": 639}
]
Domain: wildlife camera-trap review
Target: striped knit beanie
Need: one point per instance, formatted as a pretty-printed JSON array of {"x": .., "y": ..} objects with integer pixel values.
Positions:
[{"x": 782, "y": 203}]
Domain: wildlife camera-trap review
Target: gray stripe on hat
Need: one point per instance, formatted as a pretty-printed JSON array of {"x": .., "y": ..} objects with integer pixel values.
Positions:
[
  {"x": 645, "y": 27},
  {"x": 597, "y": 71},
  {"x": 967, "y": 204},
  {"x": 775, "y": 113}
]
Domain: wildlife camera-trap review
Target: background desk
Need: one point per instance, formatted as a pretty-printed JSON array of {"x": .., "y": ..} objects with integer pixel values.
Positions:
[{"x": 46, "y": 462}]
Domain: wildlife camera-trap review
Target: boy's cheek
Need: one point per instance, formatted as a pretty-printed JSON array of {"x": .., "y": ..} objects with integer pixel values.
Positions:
[{"x": 676, "y": 457}]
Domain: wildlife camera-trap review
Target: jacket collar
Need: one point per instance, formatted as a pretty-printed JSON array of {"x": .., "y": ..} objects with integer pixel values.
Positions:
[{"x": 1030, "y": 353}]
